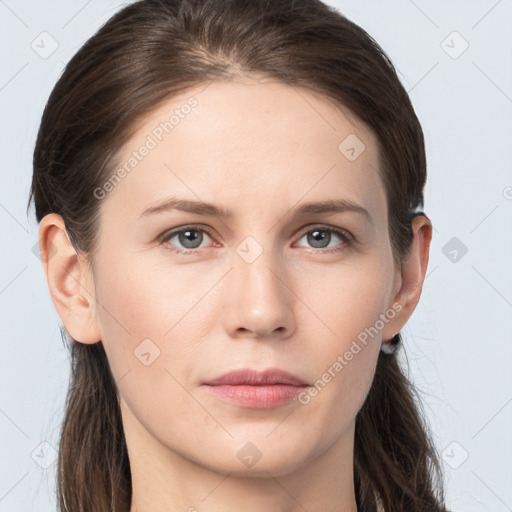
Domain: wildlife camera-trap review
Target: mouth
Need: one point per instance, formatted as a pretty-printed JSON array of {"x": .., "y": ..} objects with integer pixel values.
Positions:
[{"x": 256, "y": 390}]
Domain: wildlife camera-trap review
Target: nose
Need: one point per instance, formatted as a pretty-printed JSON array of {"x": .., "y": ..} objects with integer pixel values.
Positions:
[{"x": 261, "y": 298}]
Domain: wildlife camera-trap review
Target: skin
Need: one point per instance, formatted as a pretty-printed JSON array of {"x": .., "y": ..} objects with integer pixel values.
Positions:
[{"x": 261, "y": 149}]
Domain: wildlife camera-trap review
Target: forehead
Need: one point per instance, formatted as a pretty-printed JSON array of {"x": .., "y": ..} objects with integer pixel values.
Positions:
[{"x": 249, "y": 142}]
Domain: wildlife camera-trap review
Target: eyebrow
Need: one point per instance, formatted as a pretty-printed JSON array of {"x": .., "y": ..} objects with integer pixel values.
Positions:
[{"x": 330, "y": 206}]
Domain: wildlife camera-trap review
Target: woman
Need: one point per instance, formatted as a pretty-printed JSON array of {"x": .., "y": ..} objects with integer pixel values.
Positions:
[{"x": 229, "y": 197}]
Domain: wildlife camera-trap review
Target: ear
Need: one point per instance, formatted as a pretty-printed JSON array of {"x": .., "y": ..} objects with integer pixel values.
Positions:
[
  {"x": 69, "y": 280},
  {"x": 410, "y": 280}
]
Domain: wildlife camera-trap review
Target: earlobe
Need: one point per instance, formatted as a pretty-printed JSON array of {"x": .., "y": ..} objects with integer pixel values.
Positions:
[
  {"x": 68, "y": 279},
  {"x": 412, "y": 276}
]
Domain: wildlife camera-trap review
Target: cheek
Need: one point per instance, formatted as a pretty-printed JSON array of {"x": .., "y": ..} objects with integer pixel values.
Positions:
[
  {"x": 130, "y": 313},
  {"x": 346, "y": 299},
  {"x": 145, "y": 334},
  {"x": 151, "y": 313},
  {"x": 345, "y": 307}
]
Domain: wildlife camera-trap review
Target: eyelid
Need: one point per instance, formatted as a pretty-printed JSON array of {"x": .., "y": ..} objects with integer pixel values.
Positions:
[
  {"x": 174, "y": 231},
  {"x": 346, "y": 236},
  {"x": 325, "y": 227},
  {"x": 348, "y": 240}
]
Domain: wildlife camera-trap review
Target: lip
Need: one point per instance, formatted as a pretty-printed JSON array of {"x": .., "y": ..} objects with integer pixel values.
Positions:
[
  {"x": 256, "y": 390},
  {"x": 255, "y": 378}
]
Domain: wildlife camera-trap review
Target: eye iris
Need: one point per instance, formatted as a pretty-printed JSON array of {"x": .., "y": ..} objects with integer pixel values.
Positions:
[
  {"x": 184, "y": 238},
  {"x": 314, "y": 239},
  {"x": 192, "y": 238}
]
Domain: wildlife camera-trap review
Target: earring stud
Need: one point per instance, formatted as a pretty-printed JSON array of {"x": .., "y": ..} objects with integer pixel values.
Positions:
[{"x": 391, "y": 346}]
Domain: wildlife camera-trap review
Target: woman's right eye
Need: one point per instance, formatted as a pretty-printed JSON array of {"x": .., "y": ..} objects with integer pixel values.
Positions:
[{"x": 189, "y": 237}]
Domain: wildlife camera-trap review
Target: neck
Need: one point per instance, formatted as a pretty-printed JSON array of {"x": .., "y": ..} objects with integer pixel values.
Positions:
[{"x": 164, "y": 479}]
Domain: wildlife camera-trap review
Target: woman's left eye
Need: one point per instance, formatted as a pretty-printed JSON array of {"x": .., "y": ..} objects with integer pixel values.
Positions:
[
  {"x": 191, "y": 237},
  {"x": 317, "y": 236}
]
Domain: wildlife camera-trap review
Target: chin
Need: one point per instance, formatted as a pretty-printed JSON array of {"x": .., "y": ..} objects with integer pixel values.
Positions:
[{"x": 259, "y": 458}]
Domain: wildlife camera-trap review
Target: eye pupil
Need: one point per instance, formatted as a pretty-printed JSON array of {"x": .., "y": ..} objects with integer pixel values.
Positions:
[{"x": 314, "y": 238}]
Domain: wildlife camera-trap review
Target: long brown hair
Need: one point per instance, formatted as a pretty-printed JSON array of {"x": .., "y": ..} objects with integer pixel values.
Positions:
[{"x": 145, "y": 54}]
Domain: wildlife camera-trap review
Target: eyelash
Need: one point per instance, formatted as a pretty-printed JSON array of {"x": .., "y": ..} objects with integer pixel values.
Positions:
[{"x": 348, "y": 238}]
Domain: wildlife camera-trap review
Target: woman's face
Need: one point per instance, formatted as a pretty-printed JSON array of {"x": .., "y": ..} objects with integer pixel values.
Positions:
[{"x": 263, "y": 287}]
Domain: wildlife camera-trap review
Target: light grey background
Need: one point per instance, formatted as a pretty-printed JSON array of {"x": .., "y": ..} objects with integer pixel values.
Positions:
[{"x": 458, "y": 342}]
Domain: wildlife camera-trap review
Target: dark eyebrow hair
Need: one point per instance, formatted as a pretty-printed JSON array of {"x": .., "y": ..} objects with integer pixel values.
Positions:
[{"x": 207, "y": 209}]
